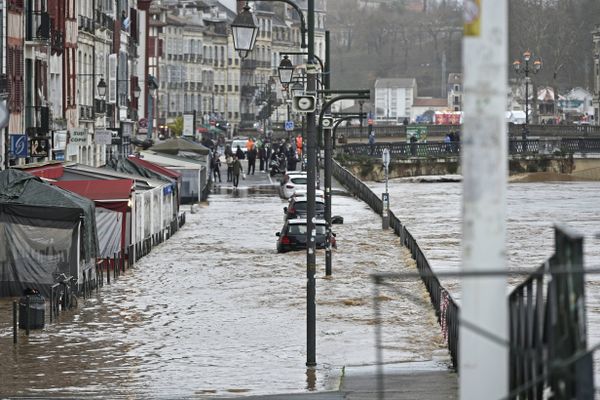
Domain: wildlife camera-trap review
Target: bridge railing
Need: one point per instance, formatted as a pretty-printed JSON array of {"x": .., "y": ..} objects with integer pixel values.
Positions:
[
  {"x": 400, "y": 150},
  {"x": 439, "y": 131},
  {"x": 446, "y": 309}
]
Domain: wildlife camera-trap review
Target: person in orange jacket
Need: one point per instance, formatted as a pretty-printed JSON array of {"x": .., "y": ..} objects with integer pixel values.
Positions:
[
  {"x": 299, "y": 145},
  {"x": 249, "y": 144}
]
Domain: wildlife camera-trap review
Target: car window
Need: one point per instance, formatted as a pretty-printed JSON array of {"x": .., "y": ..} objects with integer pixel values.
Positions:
[
  {"x": 299, "y": 181},
  {"x": 319, "y": 207},
  {"x": 297, "y": 230},
  {"x": 300, "y": 206},
  {"x": 321, "y": 230}
]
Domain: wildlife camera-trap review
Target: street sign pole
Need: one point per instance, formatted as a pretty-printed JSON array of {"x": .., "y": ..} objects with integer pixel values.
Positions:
[{"x": 385, "y": 197}]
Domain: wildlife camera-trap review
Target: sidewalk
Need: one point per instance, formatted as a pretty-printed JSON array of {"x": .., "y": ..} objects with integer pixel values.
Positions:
[{"x": 410, "y": 381}]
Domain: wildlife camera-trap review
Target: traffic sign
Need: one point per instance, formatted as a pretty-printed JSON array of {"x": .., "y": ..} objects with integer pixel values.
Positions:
[{"x": 289, "y": 125}]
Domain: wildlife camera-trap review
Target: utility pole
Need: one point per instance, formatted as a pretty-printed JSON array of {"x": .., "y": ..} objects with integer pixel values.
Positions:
[{"x": 484, "y": 310}]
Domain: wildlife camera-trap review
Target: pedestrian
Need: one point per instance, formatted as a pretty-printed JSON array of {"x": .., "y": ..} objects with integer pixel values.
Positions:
[
  {"x": 448, "y": 142},
  {"x": 249, "y": 144},
  {"x": 372, "y": 142},
  {"x": 239, "y": 153},
  {"x": 405, "y": 122},
  {"x": 228, "y": 151},
  {"x": 292, "y": 159},
  {"x": 236, "y": 170},
  {"x": 299, "y": 144},
  {"x": 262, "y": 156},
  {"x": 215, "y": 164},
  {"x": 229, "y": 161},
  {"x": 413, "y": 145},
  {"x": 251, "y": 154}
]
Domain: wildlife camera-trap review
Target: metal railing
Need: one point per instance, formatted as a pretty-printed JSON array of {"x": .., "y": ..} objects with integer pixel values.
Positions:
[
  {"x": 441, "y": 149},
  {"x": 547, "y": 313},
  {"x": 548, "y": 327},
  {"x": 446, "y": 309},
  {"x": 439, "y": 131}
]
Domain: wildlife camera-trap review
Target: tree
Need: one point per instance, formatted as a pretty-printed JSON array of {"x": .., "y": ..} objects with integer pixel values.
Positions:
[{"x": 177, "y": 126}]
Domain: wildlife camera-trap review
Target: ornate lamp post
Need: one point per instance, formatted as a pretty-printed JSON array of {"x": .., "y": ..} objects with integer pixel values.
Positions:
[
  {"x": 537, "y": 66},
  {"x": 244, "y": 30},
  {"x": 286, "y": 71}
]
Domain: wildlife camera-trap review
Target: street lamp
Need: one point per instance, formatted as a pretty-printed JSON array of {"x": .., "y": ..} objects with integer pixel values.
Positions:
[
  {"x": 101, "y": 88},
  {"x": 286, "y": 71},
  {"x": 244, "y": 29},
  {"x": 537, "y": 66},
  {"x": 152, "y": 87},
  {"x": 297, "y": 88},
  {"x": 137, "y": 91}
]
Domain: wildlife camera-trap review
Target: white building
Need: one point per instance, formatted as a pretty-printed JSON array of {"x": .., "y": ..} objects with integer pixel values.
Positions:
[{"x": 394, "y": 99}]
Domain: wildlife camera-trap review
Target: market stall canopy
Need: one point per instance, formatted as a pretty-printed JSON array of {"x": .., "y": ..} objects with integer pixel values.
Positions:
[
  {"x": 27, "y": 196},
  {"x": 100, "y": 190},
  {"x": 155, "y": 167},
  {"x": 176, "y": 145}
]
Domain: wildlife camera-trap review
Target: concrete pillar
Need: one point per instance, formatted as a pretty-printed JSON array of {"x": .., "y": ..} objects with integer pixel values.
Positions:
[{"x": 483, "y": 361}]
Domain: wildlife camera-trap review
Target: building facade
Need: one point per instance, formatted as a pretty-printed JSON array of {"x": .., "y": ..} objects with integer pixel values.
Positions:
[{"x": 596, "y": 101}]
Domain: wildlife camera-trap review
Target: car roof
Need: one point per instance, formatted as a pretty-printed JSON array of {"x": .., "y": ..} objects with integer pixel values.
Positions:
[
  {"x": 297, "y": 199},
  {"x": 302, "y": 221}
]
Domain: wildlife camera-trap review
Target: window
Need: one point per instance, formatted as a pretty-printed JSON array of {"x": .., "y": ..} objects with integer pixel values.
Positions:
[{"x": 456, "y": 88}]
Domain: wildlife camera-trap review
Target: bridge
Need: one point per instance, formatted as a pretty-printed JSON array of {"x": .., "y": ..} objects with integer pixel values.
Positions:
[{"x": 578, "y": 157}]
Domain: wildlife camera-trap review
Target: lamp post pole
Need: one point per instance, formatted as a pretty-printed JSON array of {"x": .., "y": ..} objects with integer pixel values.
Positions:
[
  {"x": 537, "y": 66},
  {"x": 311, "y": 264}
]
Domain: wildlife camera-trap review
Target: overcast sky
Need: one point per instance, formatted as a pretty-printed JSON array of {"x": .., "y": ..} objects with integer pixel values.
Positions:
[{"x": 229, "y": 4}]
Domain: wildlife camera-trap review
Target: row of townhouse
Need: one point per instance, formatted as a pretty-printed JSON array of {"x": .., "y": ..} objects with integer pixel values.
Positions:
[
  {"x": 82, "y": 79},
  {"x": 200, "y": 72},
  {"x": 70, "y": 77}
]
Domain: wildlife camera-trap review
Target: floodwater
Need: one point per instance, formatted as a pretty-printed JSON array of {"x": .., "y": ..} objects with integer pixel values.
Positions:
[
  {"x": 216, "y": 312},
  {"x": 432, "y": 213}
]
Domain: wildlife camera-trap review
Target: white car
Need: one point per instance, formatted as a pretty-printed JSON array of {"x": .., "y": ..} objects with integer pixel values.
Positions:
[
  {"x": 293, "y": 183},
  {"x": 319, "y": 194},
  {"x": 239, "y": 142}
]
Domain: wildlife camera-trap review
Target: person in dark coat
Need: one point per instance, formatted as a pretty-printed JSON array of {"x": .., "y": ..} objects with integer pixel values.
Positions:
[
  {"x": 291, "y": 159},
  {"x": 239, "y": 153},
  {"x": 262, "y": 156},
  {"x": 237, "y": 170},
  {"x": 215, "y": 164},
  {"x": 251, "y": 153}
]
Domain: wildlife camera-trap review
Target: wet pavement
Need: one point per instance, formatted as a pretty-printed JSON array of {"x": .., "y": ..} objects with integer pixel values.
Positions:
[{"x": 216, "y": 312}]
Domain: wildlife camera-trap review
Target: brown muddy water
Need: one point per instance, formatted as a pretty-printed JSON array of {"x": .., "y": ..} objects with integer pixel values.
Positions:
[{"x": 216, "y": 312}]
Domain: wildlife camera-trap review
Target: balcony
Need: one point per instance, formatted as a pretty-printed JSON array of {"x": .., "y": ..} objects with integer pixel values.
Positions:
[{"x": 86, "y": 113}]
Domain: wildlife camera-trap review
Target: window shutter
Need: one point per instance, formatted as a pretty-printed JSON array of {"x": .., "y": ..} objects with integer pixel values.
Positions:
[{"x": 112, "y": 79}]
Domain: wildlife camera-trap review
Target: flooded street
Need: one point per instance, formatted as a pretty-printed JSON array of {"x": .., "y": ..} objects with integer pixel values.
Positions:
[{"x": 215, "y": 311}]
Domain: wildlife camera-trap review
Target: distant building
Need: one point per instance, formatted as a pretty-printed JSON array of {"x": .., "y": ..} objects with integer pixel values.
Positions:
[
  {"x": 577, "y": 105},
  {"x": 596, "y": 101},
  {"x": 455, "y": 91},
  {"x": 425, "y": 107},
  {"x": 394, "y": 98}
]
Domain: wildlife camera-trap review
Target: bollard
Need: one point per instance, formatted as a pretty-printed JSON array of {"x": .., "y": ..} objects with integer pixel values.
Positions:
[
  {"x": 51, "y": 303},
  {"x": 108, "y": 271},
  {"x": 27, "y": 315},
  {"x": 14, "y": 321}
]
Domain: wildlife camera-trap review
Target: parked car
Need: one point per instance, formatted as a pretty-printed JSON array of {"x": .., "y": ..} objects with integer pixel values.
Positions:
[
  {"x": 293, "y": 183},
  {"x": 293, "y": 235},
  {"x": 297, "y": 208},
  {"x": 319, "y": 194}
]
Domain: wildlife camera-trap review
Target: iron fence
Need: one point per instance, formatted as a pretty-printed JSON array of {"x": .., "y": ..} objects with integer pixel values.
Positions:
[
  {"x": 441, "y": 149},
  {"x": 446, "y": 309}
]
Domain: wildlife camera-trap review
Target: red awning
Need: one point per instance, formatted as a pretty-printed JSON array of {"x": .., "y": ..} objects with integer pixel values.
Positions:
[
  {"x": 156, "y": 168},
  {"x": 46, "y": 171},
  {"x": 100, "y": 190}
]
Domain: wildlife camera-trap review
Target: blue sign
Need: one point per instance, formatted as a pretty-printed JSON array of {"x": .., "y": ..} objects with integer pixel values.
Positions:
[
  {"x": 19, "y": 146},
  {"x": 168, "y": 190},
  {"x": 289, "y": 125}
]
